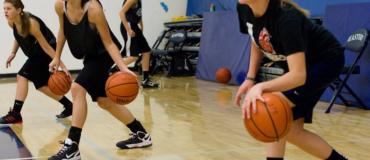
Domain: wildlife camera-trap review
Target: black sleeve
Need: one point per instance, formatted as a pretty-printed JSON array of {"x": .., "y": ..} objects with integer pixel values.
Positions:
[
  {"x": 242, "y": 15},
  {"x": 291, "y": 37}
]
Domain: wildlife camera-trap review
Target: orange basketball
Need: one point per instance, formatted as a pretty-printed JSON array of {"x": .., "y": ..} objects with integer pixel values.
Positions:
[
  {"x": 223, "y": 75},
  {"x": 59, "y": 83},
  {"x": 122, "y": 88},
  {"x": 272, "y": 120}
]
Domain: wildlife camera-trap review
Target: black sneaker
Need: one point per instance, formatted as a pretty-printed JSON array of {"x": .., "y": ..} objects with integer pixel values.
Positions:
[
  {"x": 149, "y": 84},
  {"x": 69, "y": 151},
  {"x": 11, "y": 118},
  {"x": 138, "y": 140},
  {"x": 66, "y": 113}
]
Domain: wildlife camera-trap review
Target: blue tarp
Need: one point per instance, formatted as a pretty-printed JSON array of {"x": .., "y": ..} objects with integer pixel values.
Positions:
[
  {"x": 342, "y": 20},
  {"x": 222, "y": 45}
]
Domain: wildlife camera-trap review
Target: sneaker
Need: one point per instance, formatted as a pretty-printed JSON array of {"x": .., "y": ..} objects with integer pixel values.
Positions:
[
  {"x": 69, "y": 151},
  {"x": 11, "y": 118},
  {"x": 137, "y": 140},
  {"x": 66, "y": 113},
  {"x": 149, "y": 84}
]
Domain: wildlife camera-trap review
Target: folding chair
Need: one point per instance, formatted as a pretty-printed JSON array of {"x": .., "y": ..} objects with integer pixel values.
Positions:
[
  {"x": 357, "y": 43},
  {"x": 165, "y": 57}
]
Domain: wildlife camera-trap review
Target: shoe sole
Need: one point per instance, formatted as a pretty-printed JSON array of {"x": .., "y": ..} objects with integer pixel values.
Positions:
[
  {"x": 76, "y": 158},
  {"x": 9, "y": 124},
  {"x": 137, "y": 146},
  {"x": 60, "y": 117},
  {"x": 150, "y": 86}
]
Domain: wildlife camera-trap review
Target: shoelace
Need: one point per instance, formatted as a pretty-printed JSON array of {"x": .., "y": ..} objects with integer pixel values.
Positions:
[
  {"x": 132, "y": 136},
  {"x": 143, "y": 138},
  {"x": 64, "y": 149}
]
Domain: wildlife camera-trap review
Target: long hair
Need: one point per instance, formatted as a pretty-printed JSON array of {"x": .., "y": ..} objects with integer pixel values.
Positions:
[
  {"x": 296, "y": 6},
  {"x": 25, "y": 16}
]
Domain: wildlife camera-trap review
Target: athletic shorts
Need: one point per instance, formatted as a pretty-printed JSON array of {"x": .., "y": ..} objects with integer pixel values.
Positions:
[
  {"x": 36, "y": 70},
  {"x": 138, "y": 43},
  {"x": 319, "y": 76},
  {"x": 94, "y": 74}
]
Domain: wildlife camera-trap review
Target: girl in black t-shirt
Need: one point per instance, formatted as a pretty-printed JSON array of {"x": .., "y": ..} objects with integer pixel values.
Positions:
[
  {"x": 84, "y": 26},
  {"x": 312, "y": 57},
  {"x": 38, "y": 44}
]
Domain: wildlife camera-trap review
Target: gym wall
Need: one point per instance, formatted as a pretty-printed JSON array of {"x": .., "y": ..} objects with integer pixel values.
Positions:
[{"x": 154, "y": 15}]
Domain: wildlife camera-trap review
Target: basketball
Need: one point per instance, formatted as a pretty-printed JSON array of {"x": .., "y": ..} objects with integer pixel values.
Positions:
[
  {"x": 272, "y": 120},
  {"x": 223, "y": 75},
  {"x": 59, "y": 83},
  {"x": 122, "y": 88}
]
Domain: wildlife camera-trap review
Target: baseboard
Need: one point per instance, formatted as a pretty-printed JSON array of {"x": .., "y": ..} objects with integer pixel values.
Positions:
[{"x": 13, "y": 75}]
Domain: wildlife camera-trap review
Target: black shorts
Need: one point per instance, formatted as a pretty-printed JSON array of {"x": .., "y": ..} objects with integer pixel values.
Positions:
[
  {"x": 36, "y": 70},
  {"x": 94, "y": 74},
  {"x": 319, "y": 76},
  {"x": 138, "y": 43}
]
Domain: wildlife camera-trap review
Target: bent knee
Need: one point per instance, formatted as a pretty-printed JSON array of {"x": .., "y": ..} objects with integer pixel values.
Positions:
[
  {"x": 294, "y": 134},
  {"x": 104, "y": 103},
  {"x": 77, "y": 89}
]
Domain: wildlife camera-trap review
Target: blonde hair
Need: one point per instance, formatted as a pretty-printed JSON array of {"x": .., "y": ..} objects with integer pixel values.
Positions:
[{"x": 296, "y": 6}]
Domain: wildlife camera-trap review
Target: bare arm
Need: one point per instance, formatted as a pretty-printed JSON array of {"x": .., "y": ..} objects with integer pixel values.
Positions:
[
  {"x": 36, "y": 32},
  {"x": 15, "y": 47},
  {"x": 254, "y": 60},
  {"x": 294, "y": 78},
  {"x": 141, "y": 25},
  {"x": 60, "y": 38},
  {"x": 97, "y": 17},
  {"x": 54, "y": 65},
  {"x": 122, "y": 13},
  {"x": 15, "y": 44}
]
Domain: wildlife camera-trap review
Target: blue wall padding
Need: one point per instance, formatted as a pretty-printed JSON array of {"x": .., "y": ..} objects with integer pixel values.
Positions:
[
  {"x": 222, "y": 45},
  {"x": 342, "y": 20}
]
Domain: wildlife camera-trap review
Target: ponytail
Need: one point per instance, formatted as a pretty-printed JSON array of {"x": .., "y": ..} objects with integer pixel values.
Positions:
[
  {"x": 296, "y": 6},
  {"x": 26, "y": 24}
]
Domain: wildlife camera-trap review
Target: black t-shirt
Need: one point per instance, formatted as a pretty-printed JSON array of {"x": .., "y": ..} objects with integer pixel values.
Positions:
[{"x": 283, "y": 30}]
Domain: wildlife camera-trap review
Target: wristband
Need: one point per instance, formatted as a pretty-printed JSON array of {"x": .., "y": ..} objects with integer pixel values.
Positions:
[{"x": 250, "y": 78}]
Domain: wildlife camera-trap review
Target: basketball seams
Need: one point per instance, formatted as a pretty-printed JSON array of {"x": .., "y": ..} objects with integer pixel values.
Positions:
[
  {"x": 58, "y": 81},
  {"x": 56, "y": 84},
  {"x": 121, "y": 84},
  {"x": 123, "y": 96},
  {"x": 272, "y": 121},
  {"x": 63, "y": 79},
  {"x": 259, "y": 126},
  {"x": 57, "y": 87},
  {"x": 256, "y": 126}
]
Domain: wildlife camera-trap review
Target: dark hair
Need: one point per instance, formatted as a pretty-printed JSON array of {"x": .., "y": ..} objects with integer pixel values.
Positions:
[
  {"x": 296, "y": 6},
  {"x": 25, "y": 16}
]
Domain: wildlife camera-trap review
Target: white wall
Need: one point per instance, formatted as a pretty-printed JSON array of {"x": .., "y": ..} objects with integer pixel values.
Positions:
[{"x": 153, "y": 15}]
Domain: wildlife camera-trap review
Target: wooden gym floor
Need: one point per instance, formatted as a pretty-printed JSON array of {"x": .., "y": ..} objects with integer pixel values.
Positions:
[{"x": 188, "y": 119}]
